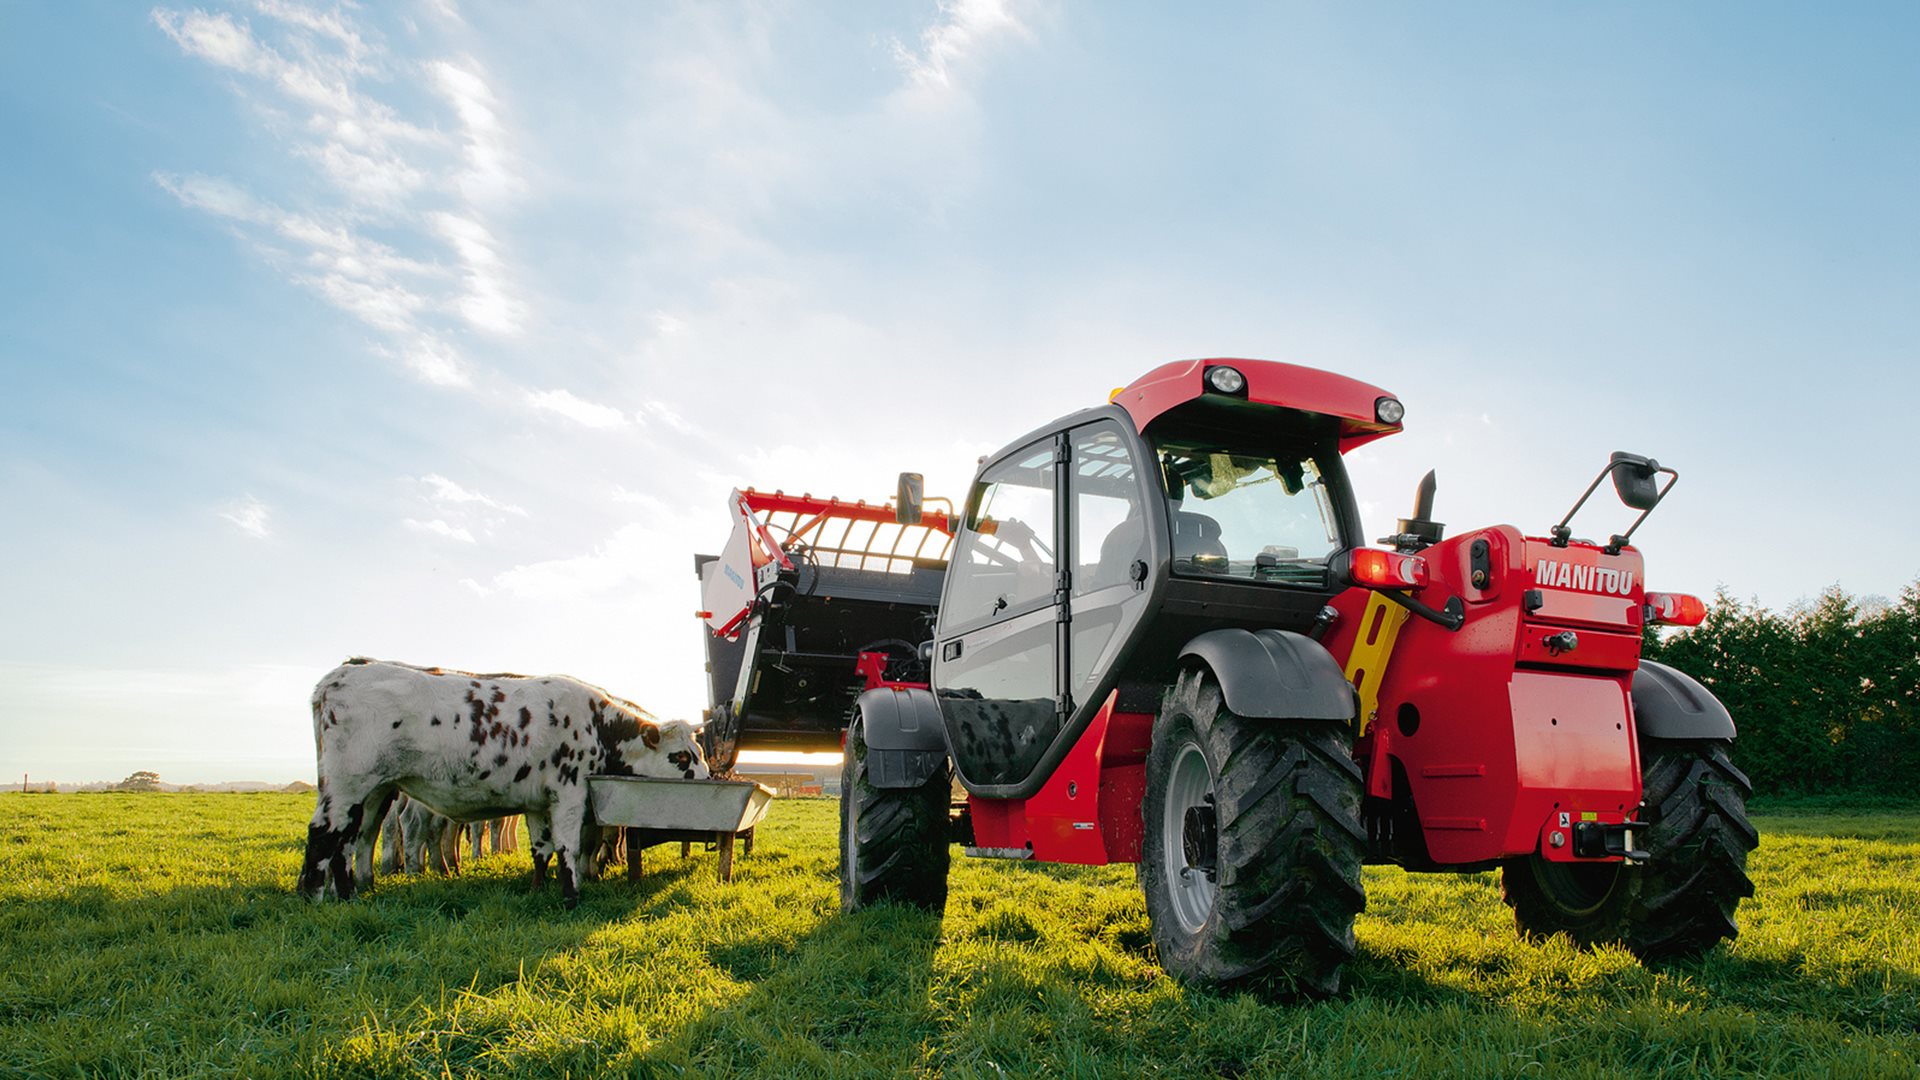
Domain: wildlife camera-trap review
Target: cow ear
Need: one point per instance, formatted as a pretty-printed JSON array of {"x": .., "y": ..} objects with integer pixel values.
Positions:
[{"x": 650, "y": 734}]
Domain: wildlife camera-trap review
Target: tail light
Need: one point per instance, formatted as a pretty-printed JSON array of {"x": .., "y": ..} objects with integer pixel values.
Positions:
[
  {"x": 1378, "y": 569},
  {"x": 1675, "y": 609}
]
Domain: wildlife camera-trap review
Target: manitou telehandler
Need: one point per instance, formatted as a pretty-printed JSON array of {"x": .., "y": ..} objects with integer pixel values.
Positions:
[{"x": 1161, "y": 638}]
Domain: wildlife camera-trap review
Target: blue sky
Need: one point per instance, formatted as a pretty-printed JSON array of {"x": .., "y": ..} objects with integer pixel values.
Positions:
[{"x": 439, "y": 331}]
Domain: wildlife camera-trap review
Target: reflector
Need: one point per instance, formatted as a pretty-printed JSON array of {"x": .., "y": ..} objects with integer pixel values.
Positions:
[
  {"x": 1675, "y": 609},
  {"x": 1378, "y": 569}
]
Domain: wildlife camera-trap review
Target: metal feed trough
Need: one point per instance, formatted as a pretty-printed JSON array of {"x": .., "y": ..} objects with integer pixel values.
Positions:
[{"x": 690, "y": 811}]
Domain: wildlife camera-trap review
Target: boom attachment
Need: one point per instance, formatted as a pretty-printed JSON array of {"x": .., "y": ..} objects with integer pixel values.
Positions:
[{"x": 811, "y": 601}]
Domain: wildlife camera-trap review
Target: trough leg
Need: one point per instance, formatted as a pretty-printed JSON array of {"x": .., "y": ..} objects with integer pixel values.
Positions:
[
  {"x": 746, "y": 839},
  {"x": 633, "y": 855},
  {"x": 686, "y": 848},
  {"x": 726, "y": 856}
]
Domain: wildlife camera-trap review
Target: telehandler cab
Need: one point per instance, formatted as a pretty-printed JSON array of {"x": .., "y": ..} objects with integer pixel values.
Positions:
[{"x": 1162, "y": 639}]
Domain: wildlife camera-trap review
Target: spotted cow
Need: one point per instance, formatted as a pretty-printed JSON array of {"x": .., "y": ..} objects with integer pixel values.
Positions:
[
  {"x": 415, "y": 839},
  {"x": 470, "y": 747}
]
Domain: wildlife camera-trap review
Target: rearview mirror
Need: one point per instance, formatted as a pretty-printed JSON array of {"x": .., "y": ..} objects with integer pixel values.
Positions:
[
  {"x": 1634, "y": 480},
  {"x": 906, "y": 503}
]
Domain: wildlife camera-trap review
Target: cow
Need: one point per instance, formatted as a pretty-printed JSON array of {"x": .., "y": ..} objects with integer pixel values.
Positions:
[
  {"x": 415, "y": 839},
  {"x": 472, "y": 746},
  {"x": 495, "y": 836}
]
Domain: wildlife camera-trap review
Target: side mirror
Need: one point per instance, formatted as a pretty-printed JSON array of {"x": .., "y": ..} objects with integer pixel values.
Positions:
[
  {"x": 1634, "y": 479},
  {"x": 906, "y": 503}
]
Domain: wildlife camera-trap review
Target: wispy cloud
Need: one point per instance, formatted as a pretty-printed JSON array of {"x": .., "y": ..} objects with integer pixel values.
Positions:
[
  {"x": 488, "y": 303},
  {"x": 964, "y": 26},
  {"x": 443, "y": 490},
  {"x": 437, "y": 527},
  {"x": 488, "y": 176},
  {"x": 655, "y": 410},
  {"x": 577, "y": 409},
  {"x": 425, "y": 192},
  {"x": 250, "y": 516}
]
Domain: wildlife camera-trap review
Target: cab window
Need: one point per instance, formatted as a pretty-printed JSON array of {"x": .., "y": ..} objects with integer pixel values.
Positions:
[{"x": 1004, "y": 562}]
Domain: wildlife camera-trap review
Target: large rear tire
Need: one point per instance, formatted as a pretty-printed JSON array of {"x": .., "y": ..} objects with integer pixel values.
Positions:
[
  {"x": 1681, "y": 903},
  {"x": 893, "y": 841},
  {"x": 1273, "y": 807}
]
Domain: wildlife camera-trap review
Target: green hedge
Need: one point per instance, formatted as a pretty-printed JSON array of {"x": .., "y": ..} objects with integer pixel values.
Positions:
[{"x": 1827, "y": 697}]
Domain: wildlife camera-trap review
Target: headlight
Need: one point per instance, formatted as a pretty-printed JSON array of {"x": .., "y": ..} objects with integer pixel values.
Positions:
[
  {"x": 1226, "y": 380},
  {"x": 1389, "y": 410}
]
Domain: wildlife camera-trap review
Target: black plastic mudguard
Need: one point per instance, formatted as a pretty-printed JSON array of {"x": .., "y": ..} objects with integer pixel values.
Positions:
[
  {"x": 1670, "y": 704},
  {"x": 1274, "y": 674},
  {"x": 906, "y": 744}
]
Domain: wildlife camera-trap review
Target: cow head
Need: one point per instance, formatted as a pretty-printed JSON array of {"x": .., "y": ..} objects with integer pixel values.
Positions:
[{"x": 668, "y": 750}]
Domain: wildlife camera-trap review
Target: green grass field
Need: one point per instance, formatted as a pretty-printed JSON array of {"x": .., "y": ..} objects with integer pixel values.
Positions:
[{"x": 158, "y": 935}]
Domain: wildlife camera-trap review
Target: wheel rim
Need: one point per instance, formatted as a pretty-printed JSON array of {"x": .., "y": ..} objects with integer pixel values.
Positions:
[
  {"x": 1577, "y": 888},
  {"x": 1189, "y": 889}
]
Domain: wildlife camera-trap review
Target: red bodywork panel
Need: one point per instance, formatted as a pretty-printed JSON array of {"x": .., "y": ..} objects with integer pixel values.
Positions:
[
  {"x": 1089, "y": 810},
  {"x": 1497, "y": 732},
  {"x": 1494, "y": 733},
  {"x": 1269, "y": 382}
]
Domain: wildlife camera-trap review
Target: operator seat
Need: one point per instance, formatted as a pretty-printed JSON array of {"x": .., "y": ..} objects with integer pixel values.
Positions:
[
  {"x": 1197, "y": 536},
  {"x": 1125, "y": 544}
]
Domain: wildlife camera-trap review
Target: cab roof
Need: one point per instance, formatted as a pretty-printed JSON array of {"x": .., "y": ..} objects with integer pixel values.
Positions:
[{"x": 1269, "y": 382}]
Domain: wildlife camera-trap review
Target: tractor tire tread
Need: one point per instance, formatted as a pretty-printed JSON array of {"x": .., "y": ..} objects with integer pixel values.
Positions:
[
  {"x": 899, "y": 837},
  {"x": 1288, "y": 797}
]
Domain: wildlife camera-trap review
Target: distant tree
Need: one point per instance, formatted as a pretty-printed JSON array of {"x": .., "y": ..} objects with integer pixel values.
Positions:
[
  {"x": 140, "y": 781},
  {"x": 1826, "y": 695}
]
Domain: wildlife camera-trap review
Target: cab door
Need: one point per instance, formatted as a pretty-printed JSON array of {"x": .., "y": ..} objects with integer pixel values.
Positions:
[
  {"x": 1112, "y": 536},
  {"x": 998, "y": 651}
]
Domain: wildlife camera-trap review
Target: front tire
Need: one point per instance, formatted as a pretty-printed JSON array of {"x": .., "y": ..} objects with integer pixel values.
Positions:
[
  {"x": 1681, "y": 903},
  {"x": 893, "y": 841},
  {"x": 1274, "y": 807}
]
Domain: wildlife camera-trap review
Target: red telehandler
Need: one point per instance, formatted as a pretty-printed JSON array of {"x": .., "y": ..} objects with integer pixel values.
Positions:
[{"x": 1155, "y": 634}]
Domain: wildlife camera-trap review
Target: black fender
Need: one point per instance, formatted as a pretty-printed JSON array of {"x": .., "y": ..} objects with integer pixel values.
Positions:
[
  {"x": 1274, "y": 674},
  {"x": 1670, "y": 704},
  {"x": 906, "y": 742}
]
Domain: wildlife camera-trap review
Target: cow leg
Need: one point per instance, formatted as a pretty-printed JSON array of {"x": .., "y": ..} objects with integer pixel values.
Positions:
[
  {"x": 476, "y": 838},
  {"x": 322, "y": 845},
  {"x": 393, "y": 842},
  {"x": 540, "y": 839},
  {"x": 346, "y": 837},
  {"x": 376, "y": 807},
  {"x": 569, "y": 829},
  {"x": 443, "y": 851}
]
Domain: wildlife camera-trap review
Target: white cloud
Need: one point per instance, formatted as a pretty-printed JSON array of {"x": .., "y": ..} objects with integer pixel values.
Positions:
[
  {"x": 578, "y": 410},
  {"x": 221, "y": 198},
  {"x": 437, "y": 527},
  {"x": 488, "y": 177},
  {"x": 655, "y": 410},
  {"x": 250, "y": 516},
  {"x": 446, "y": 491},
  {"x": 619, "y": 561},
  {"x": 216, "y": 39},
  {"x": 964, "y": 26},
  {"x": 403, "y": 179},
  {"x": 487, "y": 303}
]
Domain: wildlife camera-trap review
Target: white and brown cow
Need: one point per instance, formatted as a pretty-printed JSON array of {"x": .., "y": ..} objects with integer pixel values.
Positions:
[
  {"x": 416, "y": 840},
  {"x": 469, "y": 747}
]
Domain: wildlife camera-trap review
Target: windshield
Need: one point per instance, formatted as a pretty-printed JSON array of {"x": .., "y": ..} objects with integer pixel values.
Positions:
[{"x": 1250, "y": 514}]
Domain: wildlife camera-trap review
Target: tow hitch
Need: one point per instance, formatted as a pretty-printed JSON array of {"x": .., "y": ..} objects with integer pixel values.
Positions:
[{"x": 1599, "y": 840}]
